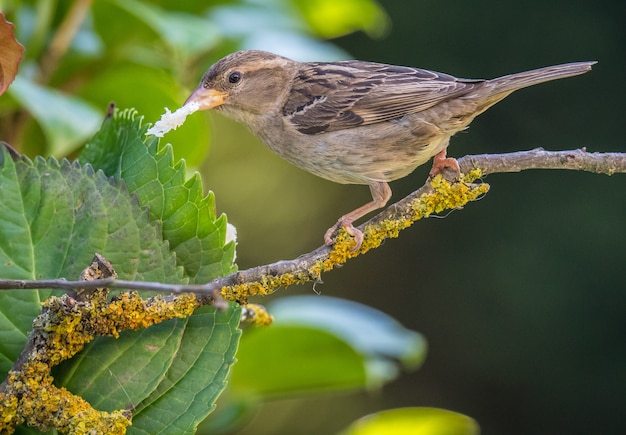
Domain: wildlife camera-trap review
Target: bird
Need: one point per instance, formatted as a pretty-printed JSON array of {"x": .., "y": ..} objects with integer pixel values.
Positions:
[{"x": 353, "y": 121}]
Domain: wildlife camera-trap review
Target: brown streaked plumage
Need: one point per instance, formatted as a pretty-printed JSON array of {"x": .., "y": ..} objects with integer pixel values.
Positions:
[{"x": 353, "y": 121}]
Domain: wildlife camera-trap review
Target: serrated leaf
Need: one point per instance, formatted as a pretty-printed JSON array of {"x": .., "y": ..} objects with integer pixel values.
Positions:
[
  {"x": 188, "y": 359},
  {"x": 66, "y": 211},
  {"x": 148, "y": 90},
  {"x": 171, "y": 373},
  {"x": 188, "y": 219},
  {"x": 54, "y": 217},
  {"x": 209, "y": 356}
]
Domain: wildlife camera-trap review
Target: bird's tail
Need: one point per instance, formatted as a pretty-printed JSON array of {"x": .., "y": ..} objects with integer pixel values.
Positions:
[{"x": 513, "y": 82}]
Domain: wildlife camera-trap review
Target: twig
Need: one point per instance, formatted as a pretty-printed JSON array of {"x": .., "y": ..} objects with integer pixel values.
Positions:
[
  {"x": 50, "y": 61},
  {"x": 87, "y": 303},
  {"x": 62, "y": 38},
  {"x": 578, "y": 160},
  {"x": 308, "y": 267}
]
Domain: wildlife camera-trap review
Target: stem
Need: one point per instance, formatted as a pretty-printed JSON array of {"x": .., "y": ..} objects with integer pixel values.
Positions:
[
  {"x": 307, "y": 266},
  {"x": 62, "y": 39}
]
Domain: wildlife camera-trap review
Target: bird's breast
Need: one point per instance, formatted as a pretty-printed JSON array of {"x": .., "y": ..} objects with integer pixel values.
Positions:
[{"x": 377, "y": 152}]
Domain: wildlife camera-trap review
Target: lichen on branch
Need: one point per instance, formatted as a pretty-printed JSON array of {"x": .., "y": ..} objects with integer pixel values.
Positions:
[
  {"x": 436, "y": 196},
  {"x": 63, "y": 328},
  {"x": 70, "y": 321}
]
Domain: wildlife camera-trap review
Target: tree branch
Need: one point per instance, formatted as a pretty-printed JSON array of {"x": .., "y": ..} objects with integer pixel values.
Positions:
[
  {"x": 577, "y": 160},
  {"x": 23, "y": 393},
  {"x": 62, "y": 39},
  {"x": 435, "y": 196}
]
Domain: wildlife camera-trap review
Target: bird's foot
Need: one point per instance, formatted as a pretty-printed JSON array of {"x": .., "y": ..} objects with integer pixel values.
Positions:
[
  {"x": 350, "y": 229},
  {"x": 441, "y": 162}
]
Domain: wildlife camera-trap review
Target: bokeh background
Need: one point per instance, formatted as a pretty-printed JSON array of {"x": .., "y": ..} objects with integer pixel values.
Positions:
[{"x": 521, "y": 295}]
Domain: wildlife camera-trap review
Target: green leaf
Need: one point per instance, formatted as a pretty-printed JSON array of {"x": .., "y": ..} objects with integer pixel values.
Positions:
[
  {"x": 182, "y": 365},
  {"x": 209, "y": 356},
  {"x": 320, "y": 343},
  {"x": 272, "y": 27},
  {"x": 122, "y": 150},
  {"x": 414, "y": 421},
  {"x": 289, "y": 360},
  {"x": 331, "y": 18},
  {"x": 316, "y": 344},
  {"x": 189, "y": 35},
  {"x": 377, "y": 336},
  {"x": 55, "y": 216},
  {"x": 66, "y": 121},
  {"x": 171, "y": 373}
]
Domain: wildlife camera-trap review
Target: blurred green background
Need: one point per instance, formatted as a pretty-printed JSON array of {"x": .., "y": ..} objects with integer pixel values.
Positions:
[{"x": 522, "y": 295}]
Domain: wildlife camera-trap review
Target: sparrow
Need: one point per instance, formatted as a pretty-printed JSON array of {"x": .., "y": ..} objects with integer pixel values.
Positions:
[{"x": 353, "y": 121}]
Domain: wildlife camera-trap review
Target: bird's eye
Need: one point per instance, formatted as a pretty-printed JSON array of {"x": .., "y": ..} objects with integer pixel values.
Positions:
[{"x": 234, "y": 77}]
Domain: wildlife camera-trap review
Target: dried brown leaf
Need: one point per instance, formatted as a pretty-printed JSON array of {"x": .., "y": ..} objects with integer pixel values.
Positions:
[{"x": 11, "y": 53}]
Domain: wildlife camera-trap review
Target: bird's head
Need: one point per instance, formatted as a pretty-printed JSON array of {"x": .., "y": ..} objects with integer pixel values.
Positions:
[{"x": 245, "y": 84}]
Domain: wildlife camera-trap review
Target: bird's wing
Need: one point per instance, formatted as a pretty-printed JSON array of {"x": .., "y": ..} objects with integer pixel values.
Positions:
[{"x": 339, "y": 95}]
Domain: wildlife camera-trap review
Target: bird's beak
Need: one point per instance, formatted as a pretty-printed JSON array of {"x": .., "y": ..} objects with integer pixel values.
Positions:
[{"x": 207, "y": 98}]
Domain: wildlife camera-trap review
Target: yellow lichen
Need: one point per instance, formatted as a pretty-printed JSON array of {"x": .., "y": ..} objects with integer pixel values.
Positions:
[
  {"x": 471, "y": 176},
  {"x": 43, "y": 405},
  {"x": 241, "y": 292},
  {"x": 8, "y": 417},
  {"x": 267, "y": 285},
  {"x": 445, "y": 195},
  {"x": 256, "y": 314},
  {"x": 69, "y": 326},
  {"x": 66, "y": 327},
  {"x": 449, "y": 196}
]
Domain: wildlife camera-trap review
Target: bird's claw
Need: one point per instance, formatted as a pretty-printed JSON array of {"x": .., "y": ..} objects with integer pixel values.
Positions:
[
  {"x": 441, "y": 162},
  {"x": 350, "y": 229}
]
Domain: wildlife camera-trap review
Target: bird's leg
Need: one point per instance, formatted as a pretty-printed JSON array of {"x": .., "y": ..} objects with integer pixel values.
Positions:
[
  {"x": 440, "y": 162},
  {"x": 381, "y": 192}
]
